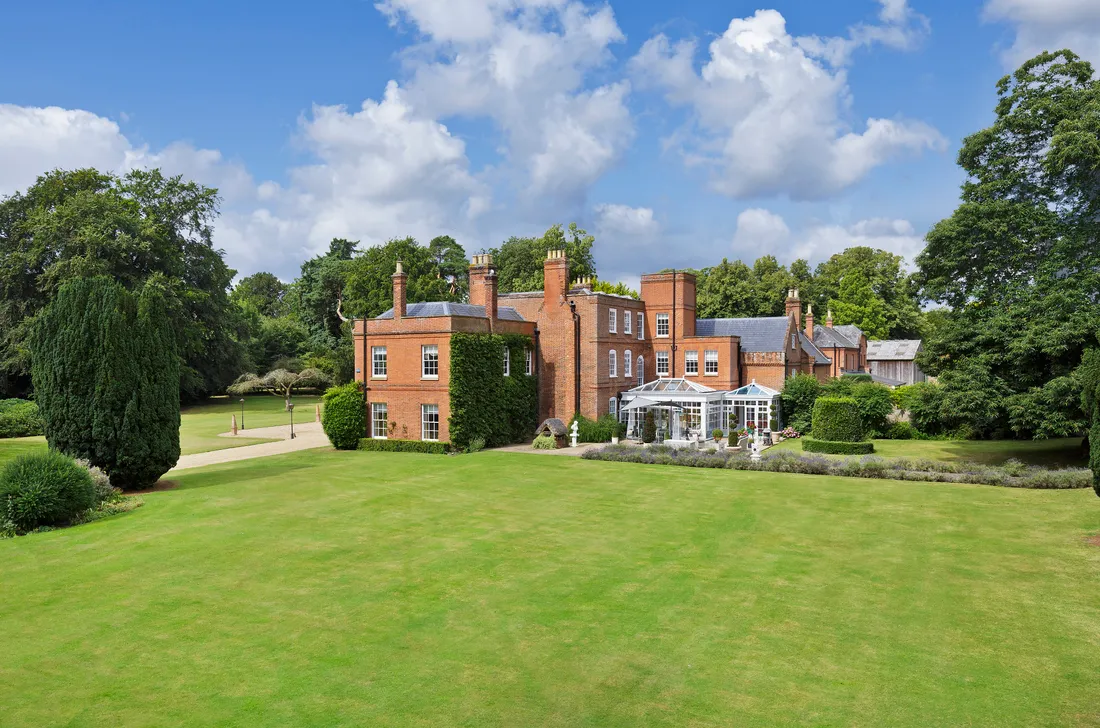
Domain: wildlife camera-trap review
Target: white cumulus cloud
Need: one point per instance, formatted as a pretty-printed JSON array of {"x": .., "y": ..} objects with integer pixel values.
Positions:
[
  {"x": 1048, "y": 25},
  {"x": 761, "y": 231},
  {"x": 769, "y": 114}
]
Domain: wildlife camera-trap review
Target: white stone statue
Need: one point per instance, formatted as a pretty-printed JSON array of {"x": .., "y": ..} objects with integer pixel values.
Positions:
[
  {"x": 757, "y": 445},
  {"x": 573, "y": 433}
]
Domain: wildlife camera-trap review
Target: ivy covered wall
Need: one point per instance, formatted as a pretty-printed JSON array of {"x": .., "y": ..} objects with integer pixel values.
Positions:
[{"x": 485, "y": 403}]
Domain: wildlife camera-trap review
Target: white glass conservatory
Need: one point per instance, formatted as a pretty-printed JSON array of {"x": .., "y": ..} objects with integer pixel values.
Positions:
[{"x": 685, "y": 410}]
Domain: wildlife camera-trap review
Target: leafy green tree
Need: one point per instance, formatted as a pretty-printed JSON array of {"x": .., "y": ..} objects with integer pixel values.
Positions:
[
  {"x": 106, "y": 378},
  {"x": 317, "y": 291},
  {"x": 519, "y": 261},
  {"x": 279, "y": 338},
  {"x": 280, "y": 382},
  {"x": 79, "y": 224},
  {"x": 725, "y": 291},
  {"x": 771, "y": 281},
  {"x": 799, "y": 394},
  {"x": 856, "y": 303},
  {"x": 616, "y": 289},
  {"x": 451, "y": 264},
  {"x": 262, "y": 292},
  {"x": 369, "y": 287},
  {"x": 1018, "y": 261},
  {"x": 884, "y": 290}
]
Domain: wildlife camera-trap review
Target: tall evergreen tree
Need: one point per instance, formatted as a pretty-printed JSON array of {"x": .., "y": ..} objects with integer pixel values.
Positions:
[{"x": 106, "y": 376}]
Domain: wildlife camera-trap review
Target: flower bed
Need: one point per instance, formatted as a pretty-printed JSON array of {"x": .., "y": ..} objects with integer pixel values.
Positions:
[{"x": 1012, "y": 474}]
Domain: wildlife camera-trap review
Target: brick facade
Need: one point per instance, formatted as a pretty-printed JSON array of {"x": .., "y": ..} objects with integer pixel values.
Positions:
[{"x": 583, "y": 340}]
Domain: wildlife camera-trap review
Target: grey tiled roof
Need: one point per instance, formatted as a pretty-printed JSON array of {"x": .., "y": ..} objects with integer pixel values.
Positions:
[
  {"x": 446, "y": 308},
  {"x": 810, "y": 348},
  {"x": 845, "y": 337},
  {"x": 895, "y": 350},
  {"x": 757, "y": 334}
]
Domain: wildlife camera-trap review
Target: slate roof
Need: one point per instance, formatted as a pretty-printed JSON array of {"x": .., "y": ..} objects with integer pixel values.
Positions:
[
  {"x": 894, "y": 350},
  {"x": 810, "y": 348},
  {"x": 844, "y": 337},
  {"x": 757, "y": 334},
  {"x": 446, "y": 308}
]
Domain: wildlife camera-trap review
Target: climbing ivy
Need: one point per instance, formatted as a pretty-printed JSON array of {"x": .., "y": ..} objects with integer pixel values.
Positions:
[{"x": 484, "y": 403}]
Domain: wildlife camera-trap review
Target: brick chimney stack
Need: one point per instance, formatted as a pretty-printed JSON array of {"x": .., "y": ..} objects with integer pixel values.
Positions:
[
  {"x": 810, "y": 321},
  {"x": 555, "y": 271},
  {"x": 483, "y": 284},
  {"x": 399, "y": 283},
  {"x": 829, "y": 319},
  {"x": 794, "y": 307}
]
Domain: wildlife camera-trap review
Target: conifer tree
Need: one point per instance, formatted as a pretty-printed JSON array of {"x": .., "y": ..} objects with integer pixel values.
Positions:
[{"x": 106, "y": 377}]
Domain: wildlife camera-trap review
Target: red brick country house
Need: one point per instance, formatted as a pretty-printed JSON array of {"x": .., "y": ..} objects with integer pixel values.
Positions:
[{"x": 590, "y": 349}]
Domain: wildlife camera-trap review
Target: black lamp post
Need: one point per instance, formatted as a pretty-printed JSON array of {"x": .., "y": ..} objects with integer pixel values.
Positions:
[
  {"x": 242, "y": 413},
  {"x": 290, "y": 408}
]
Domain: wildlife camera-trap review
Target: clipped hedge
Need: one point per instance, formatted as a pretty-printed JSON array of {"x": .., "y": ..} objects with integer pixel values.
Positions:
[
  {"x": 833, "y": 447},
  {"x": 429, "y": 448},
  {"x": 44, "y": 489},
  {"x": 484, "y": 403},
  {"x": 344, "y": 418},
  {"x": 838, "y": 419},
  {"x": 19, "y": 418}
]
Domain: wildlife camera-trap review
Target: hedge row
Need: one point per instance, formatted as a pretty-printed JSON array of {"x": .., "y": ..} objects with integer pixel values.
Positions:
[
  {"x": 832, "y": 447},
  {"x": 429, "y": 448}
]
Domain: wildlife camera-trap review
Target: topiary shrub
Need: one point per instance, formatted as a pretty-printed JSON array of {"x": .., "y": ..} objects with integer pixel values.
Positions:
[
  {"x": 44, "y": 489},
  {"x": 833, "y": 447},
  {"x": 649, "y": 428},
  {"x": 344, "y": 418},
  {"x": 19, "y": 418},
  {"x": 838, "y": 419}
]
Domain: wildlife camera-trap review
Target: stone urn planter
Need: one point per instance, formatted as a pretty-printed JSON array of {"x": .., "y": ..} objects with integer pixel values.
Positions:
[{"x": 614, "y": 441}]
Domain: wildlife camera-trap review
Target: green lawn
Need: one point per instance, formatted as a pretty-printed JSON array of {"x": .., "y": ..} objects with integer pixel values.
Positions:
[
  {"x": 200, "y": 425},
  {"x": 1052, "y": 453},
  {"x": 324, "y": 588}
]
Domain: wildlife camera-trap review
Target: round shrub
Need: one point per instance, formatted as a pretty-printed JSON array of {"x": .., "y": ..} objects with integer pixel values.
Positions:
[
  {"x": 833, "y": 447},
  {"x": 44, "y": 489},
  {"x": 344, "y": 418},
  {"x": 899, "y": 431},
  {"x": 838, "y": 419}
]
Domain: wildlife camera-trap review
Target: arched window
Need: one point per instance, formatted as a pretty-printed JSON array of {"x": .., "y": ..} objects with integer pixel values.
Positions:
[
  {"x": 612, "y": 365},
  {"x": 613, "y": 407},
  {"x": 627, "y": 362}
]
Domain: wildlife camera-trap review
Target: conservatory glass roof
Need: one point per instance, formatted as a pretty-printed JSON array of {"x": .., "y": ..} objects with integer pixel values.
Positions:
[
  {"x": 754, "y": 390},
  {"x": 671, "y": 385}
]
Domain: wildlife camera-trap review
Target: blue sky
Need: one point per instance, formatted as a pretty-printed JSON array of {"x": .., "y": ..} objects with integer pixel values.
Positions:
[{"x": 678, "y": 133}]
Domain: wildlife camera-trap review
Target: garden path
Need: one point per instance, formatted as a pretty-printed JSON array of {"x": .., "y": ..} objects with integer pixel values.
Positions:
[{"x": 307, "y": 436}]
